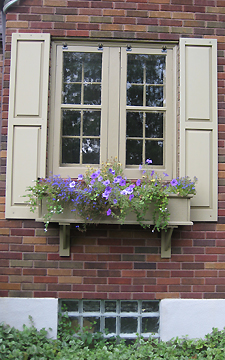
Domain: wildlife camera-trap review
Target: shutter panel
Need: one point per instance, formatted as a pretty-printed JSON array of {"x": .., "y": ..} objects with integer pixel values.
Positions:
[
  {"x": 27, "y": 122},
  {"x": 198, "y": 123}
]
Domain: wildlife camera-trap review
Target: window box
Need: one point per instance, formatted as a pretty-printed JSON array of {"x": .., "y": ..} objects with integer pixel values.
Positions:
[{"x": 179, "y": 209}]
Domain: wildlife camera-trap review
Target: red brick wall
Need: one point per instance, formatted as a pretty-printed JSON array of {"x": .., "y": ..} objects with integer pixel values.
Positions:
[{"x": 113, "y": 262}]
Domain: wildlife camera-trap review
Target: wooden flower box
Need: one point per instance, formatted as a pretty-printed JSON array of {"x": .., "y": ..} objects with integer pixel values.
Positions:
[{"x": 179, "y": 209}]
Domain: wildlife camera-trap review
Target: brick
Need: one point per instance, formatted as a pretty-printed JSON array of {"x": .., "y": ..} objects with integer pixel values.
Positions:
[
  {"x": 130, "y": 273},
  {"x": 38, "y": 272},
  {"x": 26, "y": 294},
  {"x": 34, "y": 256},
  {"x": 101, "y": 19},
  {"x": 96, "y": 249},
  {"x": 108, "y": 273},
  {"x": 34, "y": 240},
  {"x": 55, "y": 3},
  {"x": 54, "y": 18},
  {"x": 70, "y": 280},
  {"x": 4, "y": 286},
  {"x": 20, "y": 279},
  {"x": 133, "y": 257},
  {"x": 22, "y": 232},
  {"x": 214, "y": 265},
  {"x": 59, "y": 272},
  {"x": 46, "y": 248},
  {"x": 34, "y": 287},
  {"x": 144, "y": 266},
  {"x": 96, "y": 281},
  {"x": 17, "y": 24},
  {"x": 167, "y": 295}
]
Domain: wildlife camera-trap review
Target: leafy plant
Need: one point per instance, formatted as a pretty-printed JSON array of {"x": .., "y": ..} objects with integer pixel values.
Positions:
[{"x": 106, "y": 192}]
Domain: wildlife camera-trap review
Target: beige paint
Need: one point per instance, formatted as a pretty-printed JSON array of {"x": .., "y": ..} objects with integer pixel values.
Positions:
[
  {"x": 198, "y": 123},
  {"x": 27, "y": 122}
]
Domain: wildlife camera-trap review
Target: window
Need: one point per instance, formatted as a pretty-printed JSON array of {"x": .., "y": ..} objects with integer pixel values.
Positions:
[
  {"x": 112, "y": 100},
  {"x": 120, "y": 317}
]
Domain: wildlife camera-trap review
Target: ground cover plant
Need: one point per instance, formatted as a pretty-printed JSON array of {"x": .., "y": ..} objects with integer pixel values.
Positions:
[{"x": 30, "y": 344}]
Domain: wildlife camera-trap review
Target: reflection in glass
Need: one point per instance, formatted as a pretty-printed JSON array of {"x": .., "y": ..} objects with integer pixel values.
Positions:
[
  {"x": 91, "y": 123},
  {"x": 92, "y": 94},
  {"x": 154, "y": 96},
  {"x": 129, "y": 306},
  {"x": 152, "y": 66},
  {"x": 91, "y": 151},
  {"x": 110, "y": 324},
  {"x": 72, "y": 94},
  {"x": 71, "y": 122},
  {"x": 150, "y": 306},
  {"x": 134, "y": 124},
  {"x": 92, "y": 322},
  {"x": 154, "y": 125},
  {"x": 150, "y": 324},
  {"x": 154, "y": 151},
  {"x": 70, "y": 151},
  {"x": 133, "y": 152},
  {"x": 135, "y": 95},
  {"x": 110, "y": 306},
  {"x": 81, "y": 72},
  {"x": 91, "y": 305},
  {"x": 128, "y": 325},
  {"x": 70, "y": 305}
]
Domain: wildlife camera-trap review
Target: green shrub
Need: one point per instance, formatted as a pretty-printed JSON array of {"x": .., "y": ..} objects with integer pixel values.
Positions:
[{"x": 30, "y": 344}]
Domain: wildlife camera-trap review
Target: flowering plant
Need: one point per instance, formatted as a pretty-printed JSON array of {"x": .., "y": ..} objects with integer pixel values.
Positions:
[{"x": 106, "y": 192}]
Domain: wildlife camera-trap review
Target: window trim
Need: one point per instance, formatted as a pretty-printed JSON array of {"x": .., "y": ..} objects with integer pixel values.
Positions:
[{"x": 113, "y": 131}]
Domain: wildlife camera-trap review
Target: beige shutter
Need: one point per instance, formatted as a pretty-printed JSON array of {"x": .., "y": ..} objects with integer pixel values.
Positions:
[
  {"x": 198, "y": 123},
  {"x": 27, "y": 122}
]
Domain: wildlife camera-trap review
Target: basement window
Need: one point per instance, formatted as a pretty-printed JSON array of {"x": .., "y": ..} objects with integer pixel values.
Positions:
[{"x": 124, "y": 318}]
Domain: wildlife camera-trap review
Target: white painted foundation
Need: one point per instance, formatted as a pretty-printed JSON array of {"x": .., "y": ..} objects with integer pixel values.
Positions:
[
  {"x": 44, "y": 311},
  {"x": 194, "y": 318},
  {"x": 178, "y": 317}
]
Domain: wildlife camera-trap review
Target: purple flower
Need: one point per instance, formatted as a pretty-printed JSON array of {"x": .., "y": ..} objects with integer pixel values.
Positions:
[
  {"x": 123, "y": 192},
  {"x": 106, "y": 182},
  {"x": 138, "y": 182},
  {"x": 165, "y": 174},
  {"x": 112, "y": 171},
  {"x": 122, "y": 182},
  {"x": 72, "y": 184},
  {"x": 92, "y": 181},
  {"x": 174, "y": 182},
  {"x": 80, "y": 177},
  {"x": 100, "y": 178},
  {"x": 109, "y": 212},
  {"x": 94, "y": 175},
  {"x": 140, "y": 167},
  {"x": 115, "y": 201},
  {"x": 117, "y": 179},
  {"x": 152, "y": 173},
  {"x": 131, "y": 197},
  {"x": 148, "y": 161}
]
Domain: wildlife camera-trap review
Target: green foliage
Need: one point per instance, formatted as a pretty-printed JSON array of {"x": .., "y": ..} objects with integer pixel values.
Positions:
[{"x": 30, "y": 344}]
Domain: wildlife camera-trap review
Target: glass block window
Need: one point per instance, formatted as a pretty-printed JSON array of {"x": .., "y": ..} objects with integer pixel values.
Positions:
[{"x": 124, "y": 318}]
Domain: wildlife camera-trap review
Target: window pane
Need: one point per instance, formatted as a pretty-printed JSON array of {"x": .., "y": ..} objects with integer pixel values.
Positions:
[
  {"x": 128, "y": 325},
  {"x": 154, "y": 96},
  {"x": 91, "y": 305},
  {"x": 110, "y": 306},
  {"x": 74, "y": 323},
  {"x": 135, "y": 65},
  {"x": 92, "y": 67},
  {"x": 135, "y": 124},
  {"x": 154, "y": 125},
  {"x": 70, "y": 151},
  {"x": 91, "y": 151},
  {"x": 92, "y": 322},
  {"x": 155, "y": 69},
  {"x": 72, "y": 66},
  {"x": 70, "y": 305},
  {"x": 92, "y": 94},
  {"x": 110, "y": 324},
  {"x": 150, "y": 324},
  {"x": 72, "y": 94},
  {"x": 91, "y": 123},
  {"x": 135, "y": 95},
  {"x": 154, "y": 151},
  {"x": 133, "y": 152},
  {"x": 129, "y": 306},
  {"x": 71, "y": 122},
  {"x": 150, "y": 306}
]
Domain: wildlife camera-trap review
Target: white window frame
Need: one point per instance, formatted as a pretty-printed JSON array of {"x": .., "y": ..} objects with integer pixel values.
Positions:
[{"x": 113, "y": 106}]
